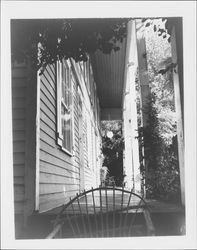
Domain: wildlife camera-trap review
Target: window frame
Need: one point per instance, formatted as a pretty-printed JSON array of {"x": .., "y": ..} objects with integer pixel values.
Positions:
[{"x": 61, "y": 102}]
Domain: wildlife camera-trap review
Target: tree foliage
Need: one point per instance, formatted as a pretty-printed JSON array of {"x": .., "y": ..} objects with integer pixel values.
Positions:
[
  {"x": 48, "y": 40},
  {"x": 162, "y": 176}
]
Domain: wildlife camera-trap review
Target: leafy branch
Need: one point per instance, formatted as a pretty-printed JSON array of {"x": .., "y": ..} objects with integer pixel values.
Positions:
[{"x": 48, "y": 40}]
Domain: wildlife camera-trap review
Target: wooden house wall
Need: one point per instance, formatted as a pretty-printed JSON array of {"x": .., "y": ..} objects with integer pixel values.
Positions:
[
  {"x": 19, "y": 84},
  {"x": 59, "y": 173},
  {"x": 89, "y": 125},
  {"x": 24, "y": 80}
]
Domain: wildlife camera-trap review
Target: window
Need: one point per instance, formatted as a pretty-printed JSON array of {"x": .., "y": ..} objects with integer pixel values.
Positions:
[
  {"x": 84, "y": 67},
  {"x": 64, "y": 106}
]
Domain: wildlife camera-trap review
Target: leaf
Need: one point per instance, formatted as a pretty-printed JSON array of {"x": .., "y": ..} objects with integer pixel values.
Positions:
[
  {"x": 65, "y": 38},
  {"x": 147, "y": 24},
  {"x": 116, "y": 48}
]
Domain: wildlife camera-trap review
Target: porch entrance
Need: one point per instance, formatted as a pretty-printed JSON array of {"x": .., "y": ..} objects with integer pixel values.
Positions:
[{"x": 112, "y": 149}]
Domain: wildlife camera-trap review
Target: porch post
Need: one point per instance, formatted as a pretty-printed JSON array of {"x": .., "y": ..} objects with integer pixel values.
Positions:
[
  {"x": 144, "y": 90},
  {"x": 179, "y": 109},
  {"x": 132, "y": 165}
]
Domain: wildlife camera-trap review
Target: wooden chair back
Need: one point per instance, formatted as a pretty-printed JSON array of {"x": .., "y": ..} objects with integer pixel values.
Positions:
[{"x": 103, "y": 212}]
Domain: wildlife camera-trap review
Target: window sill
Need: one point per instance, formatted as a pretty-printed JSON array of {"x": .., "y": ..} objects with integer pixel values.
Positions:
[
  {"x": 59, "y": 142},
  {"x": 66, "y": 151}
]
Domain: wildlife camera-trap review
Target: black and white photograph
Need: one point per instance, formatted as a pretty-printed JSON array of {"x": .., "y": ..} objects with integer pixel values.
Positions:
[{"x": 98, "y": 102}]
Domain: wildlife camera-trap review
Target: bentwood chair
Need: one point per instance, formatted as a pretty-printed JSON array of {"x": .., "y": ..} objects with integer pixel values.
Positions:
[{"x": 103, "y": 212}]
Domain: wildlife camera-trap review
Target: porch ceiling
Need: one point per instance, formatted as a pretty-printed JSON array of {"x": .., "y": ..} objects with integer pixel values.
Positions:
[{"x": 109, "y": 77}]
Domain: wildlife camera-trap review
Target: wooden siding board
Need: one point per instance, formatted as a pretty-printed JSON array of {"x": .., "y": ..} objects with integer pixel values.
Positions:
[
  {"x": 47, "y": 112},
  {"x": 47, "y": 138},
  {"x": 18, "y": 92},
  {"x": 51, "y": 81},
  {"x": 57, "y": 154},
  {"x": 45, "y": 156},
  {"x": 19, "y": 170},
  {"x": 19, "y": 158},
  {"x": 47, "y": 121},
  {"x": 46, "y": 205},
  {"x": 19, "y": 124},
  {"x": 18, "y": 113},
  {"x": 18, "y": 135},
  {"x": 19, "y": 207},
  {"x": 50, "y": 73},
  {"x": 48, "y": 130},
  {"x": 49, "y": 104},
  {"x": 20, "y": 72},
  {"x": 19, "y": 180},
  {"x": 18, "y": 102},
  {"x": 18, "y": 146},
  {"x": 56, "y": 178},
  {"x": 51, "y": 70},
  {"x": 47, "y": 143},
  {"x": 30, "y": 143},
  {"x": 47, "y": 188},
  {"x": 55, "y": 200},
  {"x": 51, "y": 168},
  {"x": 58, "y": 171},
  {"x": 48, "y": 91},
  {"x": 19, "y": 82}
]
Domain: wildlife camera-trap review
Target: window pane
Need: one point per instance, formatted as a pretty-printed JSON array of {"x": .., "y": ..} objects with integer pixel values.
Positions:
[
  {"x": 65, "y": 103},
  {"x": 63, "y": 83},
  {"x": 67, "y": 90},
  {"x": 66, "y": 128},
  {"x": 68, "y": 133}
]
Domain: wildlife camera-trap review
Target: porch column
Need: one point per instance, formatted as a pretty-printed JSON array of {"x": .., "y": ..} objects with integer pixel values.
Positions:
[
  {"x": 144, "y": 89},
  {"x": 132, "y": 166},
  {"x": 178, "y": 107}
]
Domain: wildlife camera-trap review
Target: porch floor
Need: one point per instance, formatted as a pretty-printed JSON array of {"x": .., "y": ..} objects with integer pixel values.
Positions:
[{"x": 168, "y": 219}]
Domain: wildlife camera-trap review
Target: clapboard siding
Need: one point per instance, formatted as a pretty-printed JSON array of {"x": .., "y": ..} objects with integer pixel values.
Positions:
[
  {"x": 46, "y": 157},
  {"x": 47, "y": 138},
  {"x": 55, "y": 200},
  {"x": 19, "y": 158},
  {"x": 19, "y": 83},
  {"x": 48, "y": 130},
  {"x": 59, "y": 172},
  {"x": 50, "y": 90},
  {"x": 18, "y": 135},
  {"x": 18, "y": 113},
  {"x": 55, "y": 188},
  {"x": 18, "y": 146},
  {"x": 19, "y": 124},
  {"x": 50, "y": 103},
  {"x": 56, "y": 178},
  {"x": 18, "y": 102},
  {"x": 19, "y": 170},
  {"x": 24, "y": 84}
]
